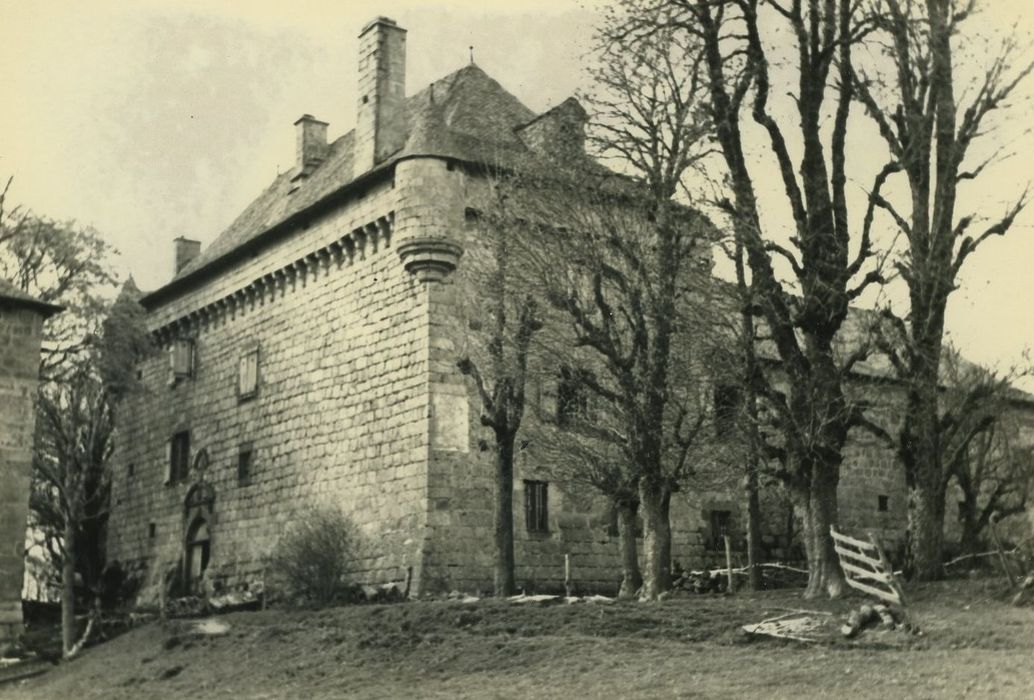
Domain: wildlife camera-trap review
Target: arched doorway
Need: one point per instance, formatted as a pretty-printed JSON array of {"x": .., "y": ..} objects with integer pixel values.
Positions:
[
  {"x": 198, "y": 521},
  {"x": 199, "y": 549}
]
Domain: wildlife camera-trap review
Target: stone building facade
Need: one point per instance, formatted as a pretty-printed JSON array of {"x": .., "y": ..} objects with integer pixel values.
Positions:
[
  {"x": 308, "y": 356},
  {"x": 21, "y": 332}
]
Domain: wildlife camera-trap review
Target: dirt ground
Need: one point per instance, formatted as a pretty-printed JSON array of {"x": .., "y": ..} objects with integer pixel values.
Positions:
[{"x": 973, "y": 644}]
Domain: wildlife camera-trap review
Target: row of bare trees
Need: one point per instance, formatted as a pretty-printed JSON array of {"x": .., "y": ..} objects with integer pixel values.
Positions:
[{"x": 685, "y": 90}]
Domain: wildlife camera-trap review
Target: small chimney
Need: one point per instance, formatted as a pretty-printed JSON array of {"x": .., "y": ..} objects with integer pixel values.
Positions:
[
  {"x": 186, "y": 250},
  {"x": 380, "y": 124},
  {"x": 311, "y": 144}
]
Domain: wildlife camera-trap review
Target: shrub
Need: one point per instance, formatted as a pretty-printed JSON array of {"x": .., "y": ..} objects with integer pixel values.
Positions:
[{"x": 314, "y": 558}]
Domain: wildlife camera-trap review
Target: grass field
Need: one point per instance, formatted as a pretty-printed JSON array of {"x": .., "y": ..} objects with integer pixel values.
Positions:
[{"x": 974, "y": 644}]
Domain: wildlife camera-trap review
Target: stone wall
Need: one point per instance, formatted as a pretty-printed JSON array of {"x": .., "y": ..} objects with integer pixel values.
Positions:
[
  {"x": 20, "y": 332},
  {"x": 340, "y": 415},
  {"x": 360, "y": 403}
]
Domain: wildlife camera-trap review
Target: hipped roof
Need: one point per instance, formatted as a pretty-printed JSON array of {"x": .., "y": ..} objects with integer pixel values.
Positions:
[{"x": 465, "y": 116}]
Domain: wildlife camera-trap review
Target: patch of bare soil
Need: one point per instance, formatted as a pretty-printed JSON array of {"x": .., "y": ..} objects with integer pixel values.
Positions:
[{"x": 973, "y": 643}]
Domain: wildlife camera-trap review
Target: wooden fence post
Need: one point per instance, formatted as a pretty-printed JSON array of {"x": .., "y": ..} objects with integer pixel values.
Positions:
[{"x": 728, "y": 564}]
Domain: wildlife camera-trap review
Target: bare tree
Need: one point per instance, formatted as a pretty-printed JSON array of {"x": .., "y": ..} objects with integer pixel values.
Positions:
[
  {"x": 60, "y": 263},
  {"x": 579, "y": 458},
  {"x": 620, "y": 270},
  {"x": 984, "y": 446},
  {"x": 499, "y": 366},
  {"x": 74, "y": 442},
  {"x": 930, "y": 120},
  {"x": 630, "y": 256},
  {"x": 808, "y": 404}
]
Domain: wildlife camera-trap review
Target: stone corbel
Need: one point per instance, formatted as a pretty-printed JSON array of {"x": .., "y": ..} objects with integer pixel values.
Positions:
[
  {"x": 372, "y": 231},
  {"x": 359, "y": 236},
  {"x": 430, "y": 259},
  {"x": 387, "y": 227}
]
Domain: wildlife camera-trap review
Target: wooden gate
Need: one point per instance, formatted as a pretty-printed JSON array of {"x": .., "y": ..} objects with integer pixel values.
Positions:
[{"x": 867, "y": 568}]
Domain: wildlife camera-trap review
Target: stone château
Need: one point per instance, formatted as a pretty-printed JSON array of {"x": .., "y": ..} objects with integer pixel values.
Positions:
[{"x": 307, "y": 358}]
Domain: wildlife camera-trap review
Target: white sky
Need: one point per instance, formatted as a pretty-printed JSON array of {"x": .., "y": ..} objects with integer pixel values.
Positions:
[{"x": 158, "y": 118}]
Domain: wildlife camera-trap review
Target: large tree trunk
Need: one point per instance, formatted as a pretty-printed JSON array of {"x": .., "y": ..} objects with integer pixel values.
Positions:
[
  {"x": 504, "y": 559},
  {"x": 68, "y": 591},
  {"x": 925, "y": 541},
  {"x": 818, "y": 510},
  {"x": 631, "y": 578},
  {"x": 924, "y": 476},
  {"x": 655, "y": 498}
]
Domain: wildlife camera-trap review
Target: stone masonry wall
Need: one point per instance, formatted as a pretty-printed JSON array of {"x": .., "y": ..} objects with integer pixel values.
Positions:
[
  {"x": 340, "y": 415},
  {"x": 460, "y": 549},
  {"x": 20, "y": 332}
]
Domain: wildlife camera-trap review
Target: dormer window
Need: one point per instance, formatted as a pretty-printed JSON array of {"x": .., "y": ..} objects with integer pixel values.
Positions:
[{"x": 181, "y": 359}]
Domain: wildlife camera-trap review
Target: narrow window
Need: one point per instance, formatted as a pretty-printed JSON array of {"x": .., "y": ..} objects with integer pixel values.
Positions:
[
  {"x": 130, "y": 468},
  {"x": 179, "y": 458},
  {"x": 181, "y": 359},
  {"x": 536, "y": 506},
  {"x": 152, "y": 530},
  {"x": 572, "y": 402},
  {"x": 244, "y": 465},
  {"x": 247, "y": 374},
  {"x": 727, "y": 402},
  {"x": 882, "y": 504},
  {"x": 721, "y": 522}
]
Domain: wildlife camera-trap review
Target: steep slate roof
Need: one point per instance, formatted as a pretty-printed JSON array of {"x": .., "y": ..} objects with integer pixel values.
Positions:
[
  {"x": 466, "y": 115},
  {"x": 16, "y": 297}
]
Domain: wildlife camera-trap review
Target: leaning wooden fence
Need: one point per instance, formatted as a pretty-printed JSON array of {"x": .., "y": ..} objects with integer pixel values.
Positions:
[{"x": 867, "y": 568}]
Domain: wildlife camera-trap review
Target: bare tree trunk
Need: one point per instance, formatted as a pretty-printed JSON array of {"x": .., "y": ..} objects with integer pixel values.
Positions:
[
  {"x": 970, "y": 539},
  {"x": 504, "y": 559},
  {"x": 655, "y": 498},
  {"x": 824, "y": 572},
  {"x": 925, "y": 541},
  {"x": 68, "y": 590},
  {"x": 817, "y": 507},
  {"x": 631, "y": 578},
  {"x": 921, "y": 455}
]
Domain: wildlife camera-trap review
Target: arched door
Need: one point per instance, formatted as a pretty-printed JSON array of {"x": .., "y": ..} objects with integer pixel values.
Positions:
[{"x": 198, "y": 551}]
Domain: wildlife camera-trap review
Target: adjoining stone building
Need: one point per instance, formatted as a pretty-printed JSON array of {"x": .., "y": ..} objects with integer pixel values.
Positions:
[
  {"x": 21, "y": 333},
  {"x": 307, "y": 358}
]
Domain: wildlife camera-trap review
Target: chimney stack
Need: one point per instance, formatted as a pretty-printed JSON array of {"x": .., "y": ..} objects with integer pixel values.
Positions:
[
  {"x": 311, "y": 144},
  {"x": 186, "y": 250},
  {"x": 380, "y": 124}
]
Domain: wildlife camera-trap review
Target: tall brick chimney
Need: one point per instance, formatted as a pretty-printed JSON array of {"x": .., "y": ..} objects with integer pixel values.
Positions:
[
  {"x": 380, "y": 124},
  {"x": 311, "y": 144},
  {"x": 185, "y": 250}
]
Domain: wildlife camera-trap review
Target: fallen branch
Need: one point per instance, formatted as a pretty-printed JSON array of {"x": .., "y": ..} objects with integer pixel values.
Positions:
[
  {"x": 78, "y": 646},
  {"x": 994, "y": 553}
]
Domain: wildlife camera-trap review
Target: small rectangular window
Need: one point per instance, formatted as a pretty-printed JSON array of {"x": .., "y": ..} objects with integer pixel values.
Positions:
[
  {"x": 572, "y": 399},
  {"x": 179, "y": 458},
  {"x": 181, "y": 359},
  {"x": 721, "y": 525},
  {"x": 244, "y": 456},
  {"x": 247, "y": 374},
  {"x": 728, "y": 400},
  {"x": 130, "y": 468},
  {"x": 882, "y": 504},
  {"x": 536, "y": 506},
  {"x": 152, "y": 530}
]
